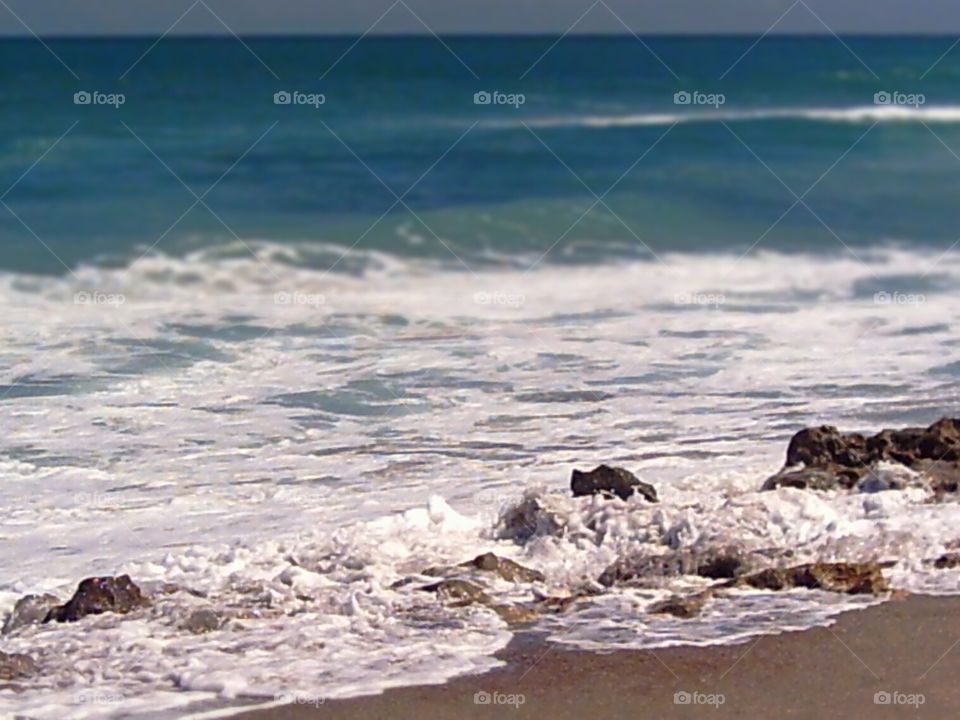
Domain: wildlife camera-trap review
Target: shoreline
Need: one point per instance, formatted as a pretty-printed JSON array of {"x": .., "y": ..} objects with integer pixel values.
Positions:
[{"x": 908, "y": 647}]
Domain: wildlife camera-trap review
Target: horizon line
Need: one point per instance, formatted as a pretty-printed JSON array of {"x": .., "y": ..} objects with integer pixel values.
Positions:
[{"x": 477, "y": 35}]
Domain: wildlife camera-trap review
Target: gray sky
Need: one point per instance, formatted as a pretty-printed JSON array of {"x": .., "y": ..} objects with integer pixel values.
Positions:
[{"x": 153, "y": 17}]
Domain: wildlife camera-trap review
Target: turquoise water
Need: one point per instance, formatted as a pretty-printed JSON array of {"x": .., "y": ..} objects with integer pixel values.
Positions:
[{"x": 395, "y": 107}]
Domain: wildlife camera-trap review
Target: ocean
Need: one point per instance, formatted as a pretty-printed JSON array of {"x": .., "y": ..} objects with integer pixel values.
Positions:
[{"x": 286, "y": 321}]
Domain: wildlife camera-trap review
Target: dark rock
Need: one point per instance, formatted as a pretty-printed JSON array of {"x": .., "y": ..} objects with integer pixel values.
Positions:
[
  {"x": 99, "y": 595},
  {"x": 722, "y": 566},
  {"x": 506, "y": 569},
  {"x": 826, "y": 445},
  {"x": 684, "y": 607},
  {"x": 948, "y": 561},
  {"x": 14, "y": 666},
  {"x": 29, "y": 610},
  {"x": 610, "y": 481},
  {"x": 202, "y": 621},
  {"x": 832, "y": 459},
  {"x": 849, "y": 578}
]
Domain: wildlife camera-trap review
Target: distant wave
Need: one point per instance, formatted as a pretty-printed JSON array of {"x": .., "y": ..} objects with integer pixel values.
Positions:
[{"x": 863, "y": 114}]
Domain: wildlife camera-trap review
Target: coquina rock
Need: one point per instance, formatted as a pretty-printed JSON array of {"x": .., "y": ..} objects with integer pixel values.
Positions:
[
  {"x": 849, "y": 578},
  {"x": 610, "y": 482},
  {"x": 823, "y": 458},
  {"x": 99, "y": 595}
]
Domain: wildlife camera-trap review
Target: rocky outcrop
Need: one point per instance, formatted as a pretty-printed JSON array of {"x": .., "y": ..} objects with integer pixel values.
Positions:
[
  {"x": 29, "y": 610},
  {"x": 99, "y": 595},
  {"x": 823, "y": 458},
  {"x": 609, "y": 482},
  {"x": 14, "y": 666},
  {"x": 651, "y": 570},
  {"x": 849, "y": 578}
]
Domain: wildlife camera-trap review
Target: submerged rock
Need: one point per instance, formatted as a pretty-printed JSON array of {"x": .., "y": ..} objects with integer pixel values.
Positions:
[
  {"x": 525, "y": 520},
  {"x": 610, "y": 481},
  {"x": 653, "y": 569},
  {"x": 506, "y": 569},
  {"x": 461, "y": 592},
  {"x": 823, "y": 458},
  {"x": 947, "y": 561},
  {"x": 849, "y": 578},
  {"x": 682, "y": 606},
  {"x": 29, "y": 610},
  {"x": 202, "y": 621},
  {"x": 14, "y": 666},
  {"x": 99, "y": 595}
]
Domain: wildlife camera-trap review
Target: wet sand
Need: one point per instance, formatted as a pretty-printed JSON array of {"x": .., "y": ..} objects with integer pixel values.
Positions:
[{"x": 908, "y": 648}]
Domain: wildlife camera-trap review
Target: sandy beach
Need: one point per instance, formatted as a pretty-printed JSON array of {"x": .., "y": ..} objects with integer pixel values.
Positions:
[{"x": 894, "y": 660}]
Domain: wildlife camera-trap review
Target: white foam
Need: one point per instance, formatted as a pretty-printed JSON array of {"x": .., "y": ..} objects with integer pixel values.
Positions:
[
  {"x": 857, "y": 114},
  {"x": 295, "y": 460}
]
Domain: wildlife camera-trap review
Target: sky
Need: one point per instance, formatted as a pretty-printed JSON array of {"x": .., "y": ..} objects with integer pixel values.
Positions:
[{"x": 247, "y": 17}]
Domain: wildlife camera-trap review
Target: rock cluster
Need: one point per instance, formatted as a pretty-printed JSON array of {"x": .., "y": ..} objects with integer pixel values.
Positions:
[{"x": 823, "y": 458}]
